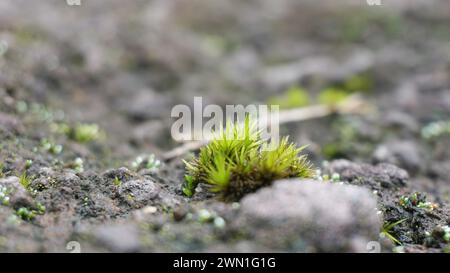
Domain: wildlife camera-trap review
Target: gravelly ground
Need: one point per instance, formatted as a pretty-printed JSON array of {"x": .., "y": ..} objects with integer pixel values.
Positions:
[{"x": 122, "y": 68}]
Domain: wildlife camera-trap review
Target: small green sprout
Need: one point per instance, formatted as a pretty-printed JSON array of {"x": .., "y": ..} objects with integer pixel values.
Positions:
[
  {"x": 117, "y": 182},
  {"x": 387, "y": 228},
  {"x": 146, "y": 162},
  {"x": 238, "y": 161},
  {"x": 189, "y": 187},
  {"x": 416, "y": 200},
  {"x": 78, "y": 165},
  {"x": 25, "y": 181}
]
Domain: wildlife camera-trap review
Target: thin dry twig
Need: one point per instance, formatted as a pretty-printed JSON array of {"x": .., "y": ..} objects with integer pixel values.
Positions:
[{"x": 352, "y": 105}]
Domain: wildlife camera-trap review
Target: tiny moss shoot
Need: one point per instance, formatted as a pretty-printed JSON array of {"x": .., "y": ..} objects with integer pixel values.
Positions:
[
  {"x": 117, "y": 182},
  {"x": 387, "y": 231},
  {"x": 25, "y": 181},
  {"x": 238, "y": 161}
]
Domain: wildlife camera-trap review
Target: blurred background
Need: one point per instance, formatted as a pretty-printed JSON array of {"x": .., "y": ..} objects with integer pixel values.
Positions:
[{"x": 124, "y": 65}]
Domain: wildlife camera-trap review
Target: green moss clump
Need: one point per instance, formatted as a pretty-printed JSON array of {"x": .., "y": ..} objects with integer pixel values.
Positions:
[
  {"x": 25, "y": 181},
  {"x": 84, "y": 133},
  {"x": 26, "y": 214},
  {"x": 332, "y": 96},
  {"x": 358, "y": 83},
  {"x": 80, "y": 132},
  {"x": 293, "y": 97},
  {"x": 239, "y": 161}
]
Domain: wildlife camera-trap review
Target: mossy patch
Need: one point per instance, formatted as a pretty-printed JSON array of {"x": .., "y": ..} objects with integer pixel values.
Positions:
[
  {"x": 295, "y": 96},
  {"x": 239, "y": 161}
]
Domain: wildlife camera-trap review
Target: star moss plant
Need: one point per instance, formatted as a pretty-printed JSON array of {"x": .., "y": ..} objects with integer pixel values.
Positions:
[{"x": 238, "y": 161}]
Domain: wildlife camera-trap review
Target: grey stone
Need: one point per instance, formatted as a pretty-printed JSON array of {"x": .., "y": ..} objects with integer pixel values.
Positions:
[
  {"x": 123, "y": 174},
  {"x": 19, "y": 196},
  {"x": 118, "y": 237},
  {"x": 405, "y": 154},
  {"x": 10, "y": 123},
  {"x": 376, "y": 177},
  {"x": 311, "y": 216},
  {"x": 138, "y": 193}
]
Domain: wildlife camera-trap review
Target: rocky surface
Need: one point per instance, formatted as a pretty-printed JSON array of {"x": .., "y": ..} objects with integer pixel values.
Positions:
[
  {"x": 311, "y": 216},
  {"x": 85, "y": 99}
]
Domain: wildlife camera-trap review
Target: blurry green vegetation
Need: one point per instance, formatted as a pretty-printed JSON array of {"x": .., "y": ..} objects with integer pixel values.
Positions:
[
  {"x": 358, "y": 83},
  {"x": 219, "y": 44},
  {"x": 2, "y": 166},
  {"x": 347, "y": 142},
  {"x": 339, "y": 92},
  {"x": 25, "y": 214},
  {"x": 361, "y": 23},
  {"x": 28, "y": 163},
  {"x": 29, "y": 214},
  {"x": 39, "y": 111},
  {"x": 77, "y": 165},
  {"x": 238, "y": 161},
  {"x": 332, "y": 96},
  {"x": 148, "y": 162},
  {"x": 80, "y": 132},
  {"x": 295, "y": 96},
  {"x": 51, "y": 147},
  {"x": 346, "y": 134},
  {"x": 25, "y": 181},
  {"x": 334, "y": 177},
  {"x": 445, "y": 233},
  {"x": 4, "y": 196},
  {"x": 436, "y": 129},
  {"x": 85, "y": 132}
]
